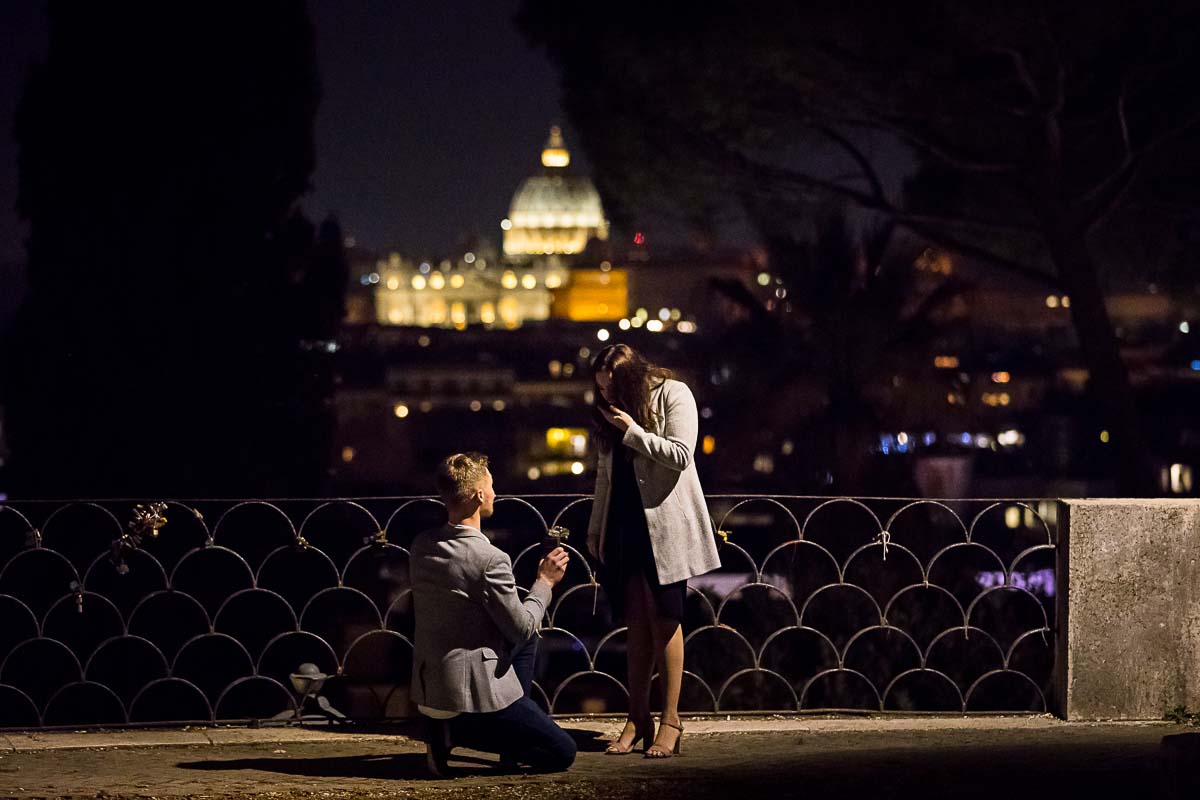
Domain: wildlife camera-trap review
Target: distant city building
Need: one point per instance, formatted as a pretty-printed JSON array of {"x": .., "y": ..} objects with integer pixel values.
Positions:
[
  {"x": 553, "y": 219},
  {"x": 554, "y": 213}
]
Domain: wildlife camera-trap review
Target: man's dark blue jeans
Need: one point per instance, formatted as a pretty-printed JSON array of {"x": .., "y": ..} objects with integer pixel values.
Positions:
[{"x": 521, "y": 733}]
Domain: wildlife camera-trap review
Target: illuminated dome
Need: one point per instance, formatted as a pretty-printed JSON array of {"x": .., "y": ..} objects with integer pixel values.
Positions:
[{"x": 555, "y": 212}]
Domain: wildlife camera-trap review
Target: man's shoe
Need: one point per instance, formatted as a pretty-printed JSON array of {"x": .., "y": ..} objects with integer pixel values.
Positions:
[{"x": 437, "y": 747}]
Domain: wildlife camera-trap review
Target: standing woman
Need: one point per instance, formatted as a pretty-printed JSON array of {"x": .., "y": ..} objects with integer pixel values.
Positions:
[{"x": 650, "y": 529}]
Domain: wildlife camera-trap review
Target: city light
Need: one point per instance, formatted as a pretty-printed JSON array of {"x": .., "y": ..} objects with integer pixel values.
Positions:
[
  {"x": 686, "y": 327},
  {"x": 348, "y": 454},
  {"x": 639, "y": 238},
  {"x": 577, "y": 468},
  {"x": 1184, "y": 327},
  {"x": 423, "y": 340},
  {"x": 400, "y": 410},
  {"x": 636, "y": 322},
  {"x": 393, "y": 283},
  {"x": 553, "y": 280},
  {"x": 469, "y": 258},
  {"x": 529, "y": 281},
  {"x": 1009, "y": 437},
  {"x": 498, "y": 405},
  {"x": 506, "y": 224},
  {"x": 664, "y": 314},
  {"x": 1001, "y": 377},
  {"x": 1104, "y": 437},
  {"x": 602, "y": 334},
  {"x": 623, "y": 324},
  {"x": 654, "y": 326},
  {"x": 534, "y": 473},
  {"x": 476, "y": 405},
  {"x": 708, "y": 445},
  {"x": 418, "y": 282},
  {"x": 764, "y": 279},
  {"x": 1178, "y": 478},
  {"x": 509, "y": 279},
  {"x": 1052, "y": 301},
  {"x": 457, "y": 281},
  {"x": 945, "y": 362},
  {"x": 437, "y": 281}
]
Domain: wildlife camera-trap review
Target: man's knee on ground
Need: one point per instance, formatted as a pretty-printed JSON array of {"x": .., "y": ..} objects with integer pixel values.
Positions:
[{"x": 561, "y": 753}]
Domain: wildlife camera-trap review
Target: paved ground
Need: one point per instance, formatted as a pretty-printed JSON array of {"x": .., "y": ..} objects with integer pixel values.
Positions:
[{"x": 741, "y": 758}]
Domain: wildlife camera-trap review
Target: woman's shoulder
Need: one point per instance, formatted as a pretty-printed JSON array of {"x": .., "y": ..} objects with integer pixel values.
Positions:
[{"x": 671, "y": 387}]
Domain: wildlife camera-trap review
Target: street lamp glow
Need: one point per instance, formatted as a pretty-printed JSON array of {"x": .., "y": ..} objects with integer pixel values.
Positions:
[
  {"x": 602, "y": 334},
  {"x": 400, "y": 410},
  {"x": 577, "y": 468}
]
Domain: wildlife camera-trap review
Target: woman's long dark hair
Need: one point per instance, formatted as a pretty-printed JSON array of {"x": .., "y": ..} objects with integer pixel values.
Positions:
[{"x": 633, "y": 379}]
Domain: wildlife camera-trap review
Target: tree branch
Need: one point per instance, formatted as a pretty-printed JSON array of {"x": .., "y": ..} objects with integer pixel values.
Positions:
[
  {"x": 1106, "y": 195},
  {"x": 1018, "y": 268}
]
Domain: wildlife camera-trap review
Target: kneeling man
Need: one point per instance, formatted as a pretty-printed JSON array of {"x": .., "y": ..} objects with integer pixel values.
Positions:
[{"x": 475, "y": 640}]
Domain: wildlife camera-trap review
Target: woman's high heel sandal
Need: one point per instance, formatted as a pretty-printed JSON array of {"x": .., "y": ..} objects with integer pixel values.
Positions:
[
  {"x": 643, "y": 733},
  {"x": 658, "y": 751}
]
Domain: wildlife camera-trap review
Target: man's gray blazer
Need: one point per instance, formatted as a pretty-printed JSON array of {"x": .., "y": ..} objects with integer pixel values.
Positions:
[
  {"x": 681, "y": 531},
  {"x": 468, "y": 619}
]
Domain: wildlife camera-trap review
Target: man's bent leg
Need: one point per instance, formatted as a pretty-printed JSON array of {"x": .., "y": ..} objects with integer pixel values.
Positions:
[{"x": 522, "y": 732}]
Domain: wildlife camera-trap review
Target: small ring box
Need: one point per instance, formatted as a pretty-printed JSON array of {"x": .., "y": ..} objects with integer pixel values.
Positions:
[{"x": 555, "y": 537}]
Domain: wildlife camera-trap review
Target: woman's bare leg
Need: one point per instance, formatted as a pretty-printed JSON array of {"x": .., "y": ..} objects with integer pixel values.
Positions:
[{"x": 639, "y": 652}]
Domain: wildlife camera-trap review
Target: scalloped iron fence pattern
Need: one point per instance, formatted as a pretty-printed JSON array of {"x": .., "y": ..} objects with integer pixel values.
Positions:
[{"x": 121, "y": 613}]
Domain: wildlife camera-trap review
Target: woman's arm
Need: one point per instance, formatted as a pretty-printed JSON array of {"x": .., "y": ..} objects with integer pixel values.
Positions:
[{"x": 675, "y": 448}]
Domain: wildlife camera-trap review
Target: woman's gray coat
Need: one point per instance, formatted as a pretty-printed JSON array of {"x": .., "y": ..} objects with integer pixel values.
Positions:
[{"x": 681, "y": 531}]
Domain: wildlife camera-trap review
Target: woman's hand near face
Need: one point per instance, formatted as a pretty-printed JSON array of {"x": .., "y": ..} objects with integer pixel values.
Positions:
[{"x": 618, "y": 418}]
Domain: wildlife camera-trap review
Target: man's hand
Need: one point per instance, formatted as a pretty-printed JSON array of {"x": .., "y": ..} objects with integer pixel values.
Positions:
[
  {"x": 618, "y": 418},
  {"x": 553, "y": 566}
]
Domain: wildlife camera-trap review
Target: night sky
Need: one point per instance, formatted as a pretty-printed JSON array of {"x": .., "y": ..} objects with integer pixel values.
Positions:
[{"x": 431, "y": 114}]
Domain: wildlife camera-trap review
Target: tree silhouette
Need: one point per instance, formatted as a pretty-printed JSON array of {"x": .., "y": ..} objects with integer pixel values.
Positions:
[
  {"x": 173, "y": 280},
  {"x": 1037, "y": 124}
]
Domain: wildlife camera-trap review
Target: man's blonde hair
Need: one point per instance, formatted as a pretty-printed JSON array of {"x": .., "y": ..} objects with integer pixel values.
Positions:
[{"x": 459, "y": 476}]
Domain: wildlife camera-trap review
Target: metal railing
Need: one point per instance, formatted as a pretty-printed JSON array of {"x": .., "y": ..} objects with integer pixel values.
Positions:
[{"x": 201, "y": 611}]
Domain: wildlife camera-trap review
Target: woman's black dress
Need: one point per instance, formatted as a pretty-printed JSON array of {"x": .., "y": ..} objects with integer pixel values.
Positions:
[{"x": 627, "y": 549}]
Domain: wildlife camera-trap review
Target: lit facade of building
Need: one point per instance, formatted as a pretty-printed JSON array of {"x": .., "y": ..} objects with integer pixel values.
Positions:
[{"x": 474, "y": 290}]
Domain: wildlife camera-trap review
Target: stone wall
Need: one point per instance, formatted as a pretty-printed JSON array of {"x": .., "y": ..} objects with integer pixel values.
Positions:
[{"x": 1128, "y": 608}]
